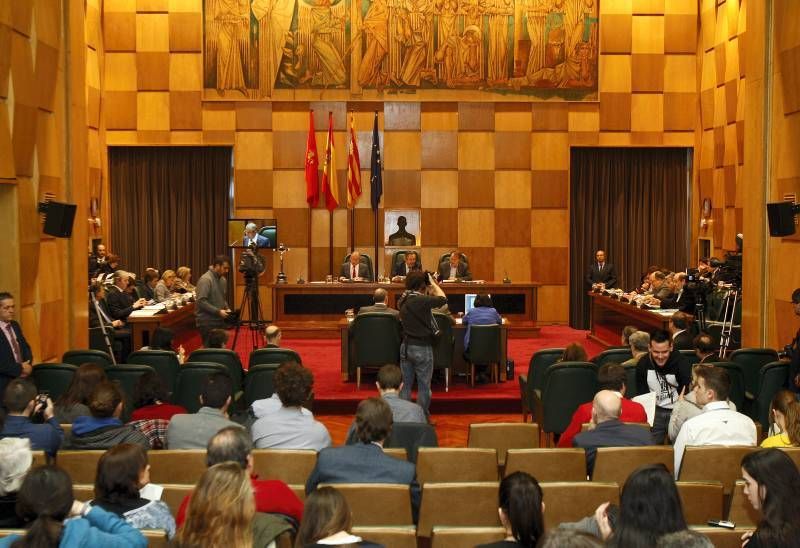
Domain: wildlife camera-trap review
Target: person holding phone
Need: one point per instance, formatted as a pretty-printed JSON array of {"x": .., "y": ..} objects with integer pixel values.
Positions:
[{"x": 25, "y": 407}]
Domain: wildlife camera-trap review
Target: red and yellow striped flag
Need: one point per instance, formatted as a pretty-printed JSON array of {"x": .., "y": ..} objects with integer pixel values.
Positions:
[
  {"x": 330, "y": 186},
  {"x": 353, "y": 168}
]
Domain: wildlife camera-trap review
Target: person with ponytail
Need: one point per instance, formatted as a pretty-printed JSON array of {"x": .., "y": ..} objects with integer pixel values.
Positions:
[
  {"x": 44, "y": 503},
  {"x": 520, "y": 508},
  {"x": 784, "y": 417},
  {"x": 772, "y": 482}
]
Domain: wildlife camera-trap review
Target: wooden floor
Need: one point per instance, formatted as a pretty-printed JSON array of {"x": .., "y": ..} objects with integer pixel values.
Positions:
[{"x": 452, "y": 430}]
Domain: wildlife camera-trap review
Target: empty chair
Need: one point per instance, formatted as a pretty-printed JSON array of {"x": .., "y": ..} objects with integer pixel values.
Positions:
[
  {"x": 458, "y": 504},
  {"x": 457, "y": 537},
  {"x": 164, "y": 362},
  {"x": 741, "y": 512},
  {"x": 177, "y": 465},
  {"x": 228, "y": 358},
  {"x": 190, "y": 383},
  {"x": 771, "y": 378},
  {"x": 376, "y": 338},
  {"x": 566, "y": 386},
  {"x": 127, "y": 376},
  {"x": 80, "y": 357},
  {"x": 80, "y": 465},
  {"x": 503, "y": 436},
  {"x": 377, "y": 503},
  {"x": 751, "y": 360},
  {"x": 701, "y": 501},
  {"x": 443, "y": 349},
  {"x": 394, "y": 536},
  {"x": 484, "y": 349},
  {"x": 615, "y": 464},
  {"x": 258, "y": 383},
  {"x": 292, "y": 466},
  {"x": 274, "y": 356},
  {"x": 714, "y": 463},
  {"x": 456, "y": 464},
  {"x": 612, "y": 355},
  {"x": 531, "y": 383},
  {"x": 548, "y": 464},
  {"x": 410, "y": 436},
  {"x": 53, "y": 378},
  {"x": 571, "y": 501}
]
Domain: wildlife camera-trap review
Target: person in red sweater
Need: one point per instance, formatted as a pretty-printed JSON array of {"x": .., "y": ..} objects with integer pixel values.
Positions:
[
  {"x": 271, "y": 496},
  {"x": 609, "y": 377},
  {"x": 149, "y": 399}
]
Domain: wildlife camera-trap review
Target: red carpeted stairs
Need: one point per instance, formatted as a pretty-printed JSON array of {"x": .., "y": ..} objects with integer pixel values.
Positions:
[{"x": 331, "y": 395}]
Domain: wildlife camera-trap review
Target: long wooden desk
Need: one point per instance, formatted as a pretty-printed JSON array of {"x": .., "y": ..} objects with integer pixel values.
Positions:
[
  {"x": 609, "y": 316},
  {"x": 460, "y": 365},
  {"x": 322, "y": 306},
  {"x": 142, "y": 327}
]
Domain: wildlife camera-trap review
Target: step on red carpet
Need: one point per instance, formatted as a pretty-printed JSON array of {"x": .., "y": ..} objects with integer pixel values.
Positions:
[{"x": 332, "y": 395}]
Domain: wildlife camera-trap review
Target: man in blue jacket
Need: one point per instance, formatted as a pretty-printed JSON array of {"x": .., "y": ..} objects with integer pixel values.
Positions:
[{"x": 22, "y": 402}]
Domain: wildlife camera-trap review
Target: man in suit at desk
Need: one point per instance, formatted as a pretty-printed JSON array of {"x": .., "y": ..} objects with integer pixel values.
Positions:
[
  {"x": 379, "y": 298},
  {"x": 454, "y": 268},
  {"x": 120, "y": 301},
  {"x": 601, "y": 272},
  {"x": 411, "y": 264},
  {"x": 252, "y": 236},
  {"x": 365, "y": 462},
  {"x": 15, "y": 353},
  {"x": 354, "y": 270}
]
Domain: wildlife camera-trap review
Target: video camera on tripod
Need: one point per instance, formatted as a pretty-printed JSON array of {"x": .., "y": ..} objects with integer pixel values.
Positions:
[{"x": 251, "y": 263}]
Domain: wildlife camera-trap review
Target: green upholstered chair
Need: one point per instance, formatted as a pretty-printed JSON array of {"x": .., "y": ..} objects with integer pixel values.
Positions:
[
  {"x": 190, "y": 383},
  {"x": 484, "y": 349},
  {"x": 751, "y": 361},
  {"x": 566, "y": 386},
  {"x": 771, "y": 378},
  {"x": 612, "y": 355},
  {"x": 164, "y": 362},
  {"x": 273, "y": 356},
  {"x": 530, "y": 385},
  {"x": 258, "y": 383},
  {"x": 53, "y": 378},
  {"x": 228, "y": 358},
  {"x": 377, "y": 338},
  {"x": 80, "y": 357},
  {"x": 126, "y": 375}
]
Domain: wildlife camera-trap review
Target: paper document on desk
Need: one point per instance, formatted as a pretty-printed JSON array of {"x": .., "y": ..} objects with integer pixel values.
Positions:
[
  {"x": 144, "y": 313},
  {"x": 157, "y": 306},
  {"x": 648, "y": 401}
]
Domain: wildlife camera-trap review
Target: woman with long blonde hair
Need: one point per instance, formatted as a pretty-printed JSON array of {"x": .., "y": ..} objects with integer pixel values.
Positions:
[{"x": 221, "y": 510}]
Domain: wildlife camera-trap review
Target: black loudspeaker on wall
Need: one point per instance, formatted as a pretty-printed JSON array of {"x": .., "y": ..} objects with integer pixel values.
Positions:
[{"x": 58, "y": 218}]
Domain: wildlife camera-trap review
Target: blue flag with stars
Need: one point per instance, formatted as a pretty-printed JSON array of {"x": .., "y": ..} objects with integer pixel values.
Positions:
[{"x": 376, "y": 167}]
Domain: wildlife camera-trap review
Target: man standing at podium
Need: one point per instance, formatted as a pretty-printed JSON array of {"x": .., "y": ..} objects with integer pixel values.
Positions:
[{"x": 601, "y": 272}]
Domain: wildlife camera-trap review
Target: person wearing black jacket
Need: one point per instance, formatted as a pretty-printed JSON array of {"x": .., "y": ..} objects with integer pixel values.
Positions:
[
  {"x": 794, "y": 364},
  {"x": 662, "y": 370},
  {"x": 120, "y": 302},
  {"x": 419, "y": 330}
]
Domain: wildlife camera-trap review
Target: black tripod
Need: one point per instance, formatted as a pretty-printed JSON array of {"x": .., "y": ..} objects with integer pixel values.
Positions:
[{"x": 250, "y": 314}]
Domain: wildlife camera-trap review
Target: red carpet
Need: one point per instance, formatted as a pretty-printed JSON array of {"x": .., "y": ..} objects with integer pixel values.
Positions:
[{"x": 331, "y": 395}]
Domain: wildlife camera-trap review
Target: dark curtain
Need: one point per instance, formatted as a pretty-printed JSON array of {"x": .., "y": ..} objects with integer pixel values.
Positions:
[
  {"x": 632, "y": 203},
  {"x": 169, "y": 206}
]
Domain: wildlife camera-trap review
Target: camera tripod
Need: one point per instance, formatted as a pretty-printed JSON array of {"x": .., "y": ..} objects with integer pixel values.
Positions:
[
  {"x": 250, "y": 314},
  {"x": 105, "y": 328},
  {"x": 732, "y": 299}
]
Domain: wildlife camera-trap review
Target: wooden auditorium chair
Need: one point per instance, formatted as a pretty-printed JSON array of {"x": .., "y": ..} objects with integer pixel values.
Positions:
[
  {"x": 456, "y": 464},
  {"x": 377, "y": 504},
  {"x": 458, "y": 504},
  {"x": 548, "y": 464},
  {"x": 701, "y": 500},
  {"x": 714, "y": 463},
  {"x": 458, "y": 537},
  {"x": 291, "y": 466},
  {"x": 502, "y": 436},
  {"x": 568, "y": 501},
  {"x": 396, "y": 537},
  {"x": 615, "y": 464}
]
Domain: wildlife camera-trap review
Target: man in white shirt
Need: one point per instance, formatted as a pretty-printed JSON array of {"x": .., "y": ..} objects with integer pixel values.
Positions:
[{"x": 718, "y": 424}]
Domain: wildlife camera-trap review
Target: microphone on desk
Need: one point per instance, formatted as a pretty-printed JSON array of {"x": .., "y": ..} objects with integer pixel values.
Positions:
[{"x": 506, "y": 280}]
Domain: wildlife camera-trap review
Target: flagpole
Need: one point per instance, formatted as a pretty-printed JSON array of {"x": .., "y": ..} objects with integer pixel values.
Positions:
[
  {"x": 353, "y": 208},
  {"x": 376, "y": 205}
]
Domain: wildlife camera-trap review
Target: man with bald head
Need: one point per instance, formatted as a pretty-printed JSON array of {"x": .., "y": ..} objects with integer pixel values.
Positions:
[
  {"x": 354, "y": 270},
  {"x": 606, "y": 430},
  {"x": 379, "y": 298}
]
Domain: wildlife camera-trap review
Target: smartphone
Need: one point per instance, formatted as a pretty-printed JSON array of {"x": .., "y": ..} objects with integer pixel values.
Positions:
[
  {"x": 41, "y": 397},
  {"x": 721, "y": 523}
]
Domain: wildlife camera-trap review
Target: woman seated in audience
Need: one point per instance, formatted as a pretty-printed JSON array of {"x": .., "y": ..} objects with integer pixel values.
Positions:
[
  {"x": 785, "y": 421},
  {"x": 574, "y": 352},
  {"x": 150, "y": 399},
  {"x": 520, "y": 509},
  {"x": 482, "y": 313},
  {"x": 649, "y": 508},
  {"x": 44, "y": 503},
  {"x": 327, "y": 521},
  {"x": 183, "y": 280},
  {"x": 220, "y": 511},
  {"x": 121, "y": 472},
  {"x": 164, "y": 287},
  {"x": 15, "y": 461},
  {"x": 75, "y": 401},
  {"x": 772, "y": 483},
  {"x": 103, "y": 429}
]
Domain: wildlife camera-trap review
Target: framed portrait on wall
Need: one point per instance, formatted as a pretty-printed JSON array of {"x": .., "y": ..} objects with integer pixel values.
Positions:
[{"x": 401, "y": 228}]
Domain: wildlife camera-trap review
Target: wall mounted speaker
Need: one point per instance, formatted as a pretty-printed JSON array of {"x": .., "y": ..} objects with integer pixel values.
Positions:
[{"x": 58, "y": 218}]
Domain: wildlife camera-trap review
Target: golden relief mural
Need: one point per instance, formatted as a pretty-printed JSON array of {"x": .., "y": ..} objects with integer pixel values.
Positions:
[{"x": 255, "y": 49}]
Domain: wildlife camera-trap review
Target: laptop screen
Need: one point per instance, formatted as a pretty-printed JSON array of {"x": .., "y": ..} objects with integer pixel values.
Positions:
[{"x": 469, "y": 301}]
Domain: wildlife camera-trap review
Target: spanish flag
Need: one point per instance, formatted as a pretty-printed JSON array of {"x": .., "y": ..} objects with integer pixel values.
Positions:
[
  {"x": 330, "y": 186},
  {"x": 353, "y": 168}
]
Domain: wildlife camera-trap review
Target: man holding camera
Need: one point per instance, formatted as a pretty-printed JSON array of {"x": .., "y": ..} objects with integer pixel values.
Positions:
[
  {"x": 419, "y": 332},
  {"x": 30, "y": 415}
]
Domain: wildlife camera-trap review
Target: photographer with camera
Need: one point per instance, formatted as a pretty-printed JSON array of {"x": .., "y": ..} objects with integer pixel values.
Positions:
[
  {"x": 212, "y": 298},
  {"x": 31, "y": 416},
  {"x": 419, "y": 333}
]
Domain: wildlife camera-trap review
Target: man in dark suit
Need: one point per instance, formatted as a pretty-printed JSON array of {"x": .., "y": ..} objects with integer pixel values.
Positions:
[
  {"x": 273, "y": 335},
  {"x": 454, "y": 268},
  {"x": 794, "y": 364},
  {"x": 379, "y": 298},
  {"x": 120, "y": 301},
  {"x": 601, "y": 272},
  {"x": 679, "y": 329},
  {"x": 411, "y": 264},
  {"x": 608, "y": 430},
  {"x": 680, "y": 298},
  {"x": 365, "y": 462},
  {"x": 704, "y": 348},
  {"x": 354, "y": 269},
  {"x": 15, "y": 353}
]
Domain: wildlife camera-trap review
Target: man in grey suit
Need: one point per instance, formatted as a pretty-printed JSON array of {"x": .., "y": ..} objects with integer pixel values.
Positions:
[
  {"x": 194, "y": 431},
  {"x": 379, "y": 298},
  {"x": 354, "y": 270},
  {"x": 365, "y": 462},
  {"x": 608, "y": 430}
]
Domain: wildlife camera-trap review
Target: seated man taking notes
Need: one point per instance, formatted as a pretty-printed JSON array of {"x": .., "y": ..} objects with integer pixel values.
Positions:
[
  {"x": 411, "y": 264},
  {"x": 354, "y": 270},
  {"x": 454, "y": 269}
]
